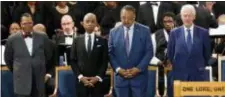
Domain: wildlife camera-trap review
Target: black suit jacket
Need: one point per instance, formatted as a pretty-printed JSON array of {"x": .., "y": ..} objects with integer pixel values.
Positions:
[
  {"x": 146, "y": 16},
  {"x": 93, "y": 64}
]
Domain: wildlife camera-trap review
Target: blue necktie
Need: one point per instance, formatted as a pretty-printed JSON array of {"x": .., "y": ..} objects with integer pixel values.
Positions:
[
  {"x": 127, "y": 42},
  {"x": 189, "y": 40}
]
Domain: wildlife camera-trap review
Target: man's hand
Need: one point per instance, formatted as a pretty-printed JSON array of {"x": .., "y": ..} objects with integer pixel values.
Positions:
[
  {"x": 133, "y": 72},
  {"x": 85, "y": 80},
  {"x": 47, "y": 78},
  {"x": 123, "y": 73},
  {"x": 93, "y": 80}
]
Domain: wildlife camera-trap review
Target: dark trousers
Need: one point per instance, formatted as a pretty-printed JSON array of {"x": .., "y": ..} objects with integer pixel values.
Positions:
[
  {"x": 34, "y": 90},
  {"x": 83, "y": 91}
]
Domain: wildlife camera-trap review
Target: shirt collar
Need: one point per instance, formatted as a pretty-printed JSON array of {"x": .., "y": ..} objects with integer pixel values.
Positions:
[
  {"x": 69, "y": 33},
  {"x": 131, "y": 27},
  {"x": 92, "y": 34},
  {"x": 191, "y": 28}
]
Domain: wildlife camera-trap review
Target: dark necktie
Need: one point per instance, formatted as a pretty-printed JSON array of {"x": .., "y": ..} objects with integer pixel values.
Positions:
[
  {"x": 27, "y": 35},
  {"x": 127, "y": 42},
  {"x": 89, "y": 44},
  {"x": 189, "y": 40}
]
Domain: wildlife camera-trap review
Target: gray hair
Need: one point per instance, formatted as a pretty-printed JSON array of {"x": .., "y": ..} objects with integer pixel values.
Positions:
[{"x": 188, "y": 7}]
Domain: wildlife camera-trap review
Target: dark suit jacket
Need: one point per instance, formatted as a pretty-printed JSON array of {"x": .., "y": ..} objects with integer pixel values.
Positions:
[
  {"x": 189, "y": 66},
  {"x": 146, "y": 16},
  {"x": 93, "y": 64},
  {"x": 26, "y": 66}
]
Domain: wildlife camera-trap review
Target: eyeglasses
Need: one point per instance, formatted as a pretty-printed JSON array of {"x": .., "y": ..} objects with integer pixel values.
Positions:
[
  {"x": 66, "y": 23},
  {"x": 27, "y": 23},
  {"x": 167, "y": 21}
]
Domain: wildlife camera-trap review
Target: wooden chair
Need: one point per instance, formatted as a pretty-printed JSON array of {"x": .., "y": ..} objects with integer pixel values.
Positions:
[{"x": 221, "y": 68}]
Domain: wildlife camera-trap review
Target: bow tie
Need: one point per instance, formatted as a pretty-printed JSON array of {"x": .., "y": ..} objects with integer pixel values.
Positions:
[
  {"x": 27, "y": 35},
  {"x": 69, "y": 36}
]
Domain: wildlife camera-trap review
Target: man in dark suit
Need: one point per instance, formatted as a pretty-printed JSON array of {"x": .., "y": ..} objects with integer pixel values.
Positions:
[
  {"x": 151, "y": 13},
  {"x": 130, "y": 50},
  {"x": 64, "y": 38},
  {"x": 26, "y": 55},
  {"x": 89, "y": 58},
  {"x": 189, "y": 48}
]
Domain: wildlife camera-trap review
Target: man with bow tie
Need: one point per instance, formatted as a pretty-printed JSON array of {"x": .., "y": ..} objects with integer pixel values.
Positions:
[
  {"x": 89, "y": 58},
  {"x": 64, "y": 38},
  {"x": 27, "y": 55}
]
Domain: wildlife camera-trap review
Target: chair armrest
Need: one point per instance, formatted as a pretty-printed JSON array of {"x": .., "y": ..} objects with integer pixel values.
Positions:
[{"x": 210, "y": 72}]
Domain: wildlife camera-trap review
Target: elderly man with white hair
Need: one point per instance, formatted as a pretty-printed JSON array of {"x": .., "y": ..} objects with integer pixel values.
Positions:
[{"x": 189, "y": 48}]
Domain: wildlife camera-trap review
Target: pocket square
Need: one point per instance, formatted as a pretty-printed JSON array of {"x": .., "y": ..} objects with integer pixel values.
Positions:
[{"x": 99, "y": 45}]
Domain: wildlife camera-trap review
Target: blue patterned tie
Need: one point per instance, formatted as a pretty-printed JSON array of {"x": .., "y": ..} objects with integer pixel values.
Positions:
[
  {"x": 127, "y": 42},
  {"x": 189, "y": 40}
]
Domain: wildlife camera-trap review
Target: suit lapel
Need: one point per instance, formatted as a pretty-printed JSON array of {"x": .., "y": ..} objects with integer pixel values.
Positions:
[
  {"x": 183, "y": 39},
  {"x": 23, "y": 44},
  {"x": 83, "y": 46},
  {"x": 195, "y": 39},
  {"x": 94, "y": 45},
  {"x": 35, "y": 43},
  {"x": 122, "y": 39},
  {"x": 134, "y": 40}
]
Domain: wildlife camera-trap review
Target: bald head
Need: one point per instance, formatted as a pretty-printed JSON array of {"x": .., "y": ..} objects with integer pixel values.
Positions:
[
  {"x": 67, "y": 24},
  {"x": 221, "y": 19},
  {"x": 39, "y": 28},
  {"x": 89, "y": 22}
]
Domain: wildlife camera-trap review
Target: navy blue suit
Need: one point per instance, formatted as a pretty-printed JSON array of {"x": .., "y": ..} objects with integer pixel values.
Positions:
[
  {"x": 140, "y": 54},
  {"x": 189, "y": 65}
]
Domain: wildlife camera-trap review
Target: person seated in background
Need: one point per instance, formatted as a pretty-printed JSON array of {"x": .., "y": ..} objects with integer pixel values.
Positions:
[
  {"x": 97, "y": 30},
  {"x": 14, "y": 28},
  {"x": 160, "y": 41}
]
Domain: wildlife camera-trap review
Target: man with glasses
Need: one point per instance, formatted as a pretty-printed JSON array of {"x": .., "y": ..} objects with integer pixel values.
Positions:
[
  {"x": 160, "y": 40},
  {"x": 26, "y": 55}
]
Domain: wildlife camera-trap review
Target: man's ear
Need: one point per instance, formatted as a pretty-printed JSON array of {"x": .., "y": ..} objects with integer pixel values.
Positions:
[{"x": 82, "y": 23}]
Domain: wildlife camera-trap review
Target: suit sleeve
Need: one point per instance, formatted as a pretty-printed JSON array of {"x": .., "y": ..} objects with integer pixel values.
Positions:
[
  {"x": 148, "y": 54},
  {"x": 9, "y": 55},
  {"x": 111, "y": 51},
  {"x": 171, "y": 47},
  {"x": 73, "y": 58},
  {"x": 48, "y": 46},
  {"x": 206, "y": 47},
  {"x": 104, "y": 65}
]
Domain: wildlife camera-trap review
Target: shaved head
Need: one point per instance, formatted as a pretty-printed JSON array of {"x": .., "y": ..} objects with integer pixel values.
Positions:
[
  {"x": 39, "y": 28},
  {"x": 221, "y": 19},
  {"x": 67, "y": 24},
  {"x": 89, "y": 22}
]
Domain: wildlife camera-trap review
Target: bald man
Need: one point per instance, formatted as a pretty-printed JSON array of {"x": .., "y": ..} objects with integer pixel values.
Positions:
[
  {"x": 89, "y": 59},
  {"x": 39, "y": 28}
]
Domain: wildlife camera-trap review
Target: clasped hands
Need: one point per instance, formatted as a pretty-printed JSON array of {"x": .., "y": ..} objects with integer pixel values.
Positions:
[
  {"x": 89, "y": 81},
  {"x": 129, "y": 73}
]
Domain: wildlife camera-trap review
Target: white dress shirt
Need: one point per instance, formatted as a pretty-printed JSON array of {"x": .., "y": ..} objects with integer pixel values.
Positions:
[
  {"x": 2, "y": 55},
  {"x": 86, "y": 35},
  {"x": 155, "y": 60},
  {"x": 29, "y": 43},
  {"x": 186, "y": 33},
  {"x": 69, "y": 40},
  {"x": 155, "y": 11},
  {"x": 131, "y": 32}
]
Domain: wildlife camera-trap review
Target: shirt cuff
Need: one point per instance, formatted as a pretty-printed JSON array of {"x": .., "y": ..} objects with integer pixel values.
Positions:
[
  {"x": 117, "y": 69},
  {"x": 80, "y": 76},
  {"x": 49, "y": 75},
  {"x": 99, "y": 78},
  {"x": 154, "y": 61}
]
